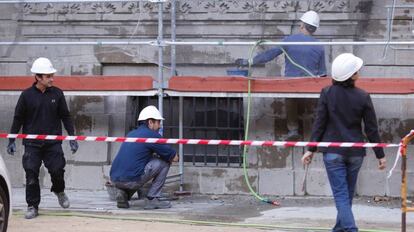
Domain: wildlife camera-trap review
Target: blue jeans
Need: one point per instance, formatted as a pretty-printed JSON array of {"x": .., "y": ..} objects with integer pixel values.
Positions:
[{"x": 342, "y": 173}]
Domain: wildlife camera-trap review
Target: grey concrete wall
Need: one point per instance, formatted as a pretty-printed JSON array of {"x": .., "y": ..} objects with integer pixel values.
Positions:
[{"x": 273, "y": 171}]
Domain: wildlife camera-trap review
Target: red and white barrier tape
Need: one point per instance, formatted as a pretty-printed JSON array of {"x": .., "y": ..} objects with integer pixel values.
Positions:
[{"x": 198, "y": 141}]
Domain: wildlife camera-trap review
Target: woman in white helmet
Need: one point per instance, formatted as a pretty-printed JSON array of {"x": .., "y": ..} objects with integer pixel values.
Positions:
[
  {"x": 342, "y": 107},
  {"x": 308, "y": 60},
  {"x": 135, "y": 163}
]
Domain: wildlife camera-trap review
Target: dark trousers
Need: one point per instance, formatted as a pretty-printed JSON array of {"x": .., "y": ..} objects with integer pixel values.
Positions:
[{"x": 52, "y": 157}]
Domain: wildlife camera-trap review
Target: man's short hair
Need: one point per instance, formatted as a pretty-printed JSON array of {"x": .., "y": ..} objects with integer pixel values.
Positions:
[
  {"x": 38, "y": 75},
  {"x": 311, "y": 29}
]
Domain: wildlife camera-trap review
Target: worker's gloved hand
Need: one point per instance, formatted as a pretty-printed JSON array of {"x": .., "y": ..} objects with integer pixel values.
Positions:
[
  {"x": 11, "y": 148},
  {"x": 73, "y": 146},
  {"x": 242, "y": 62}
]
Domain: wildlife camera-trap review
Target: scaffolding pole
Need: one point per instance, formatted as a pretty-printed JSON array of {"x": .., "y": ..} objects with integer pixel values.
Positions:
[
  {"x": 160, "y": 62},
  {"x": 173, "y": 38},
  {"x": 247, "y": 43},
  {"x": 162, "y": 43},
  {"x": 180, "y": 98}
]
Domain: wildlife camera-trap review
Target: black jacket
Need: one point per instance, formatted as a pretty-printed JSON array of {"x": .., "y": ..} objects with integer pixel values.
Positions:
[
  {"x": 340, "y": 113},
  {"x": 41, "y": 113}
]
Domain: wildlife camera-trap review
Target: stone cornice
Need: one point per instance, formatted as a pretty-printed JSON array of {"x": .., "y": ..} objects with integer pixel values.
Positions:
[{"x": 194, "y": 6}]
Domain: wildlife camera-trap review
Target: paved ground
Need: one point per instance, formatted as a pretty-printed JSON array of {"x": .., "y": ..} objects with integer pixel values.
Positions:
[{"x": 295, "y": 212}]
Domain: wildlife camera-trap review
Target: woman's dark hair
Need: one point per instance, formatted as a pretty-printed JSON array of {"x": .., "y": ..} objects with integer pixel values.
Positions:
[
  {"x": 311, "y": 29},
  {"x": 349, "y": 83}
]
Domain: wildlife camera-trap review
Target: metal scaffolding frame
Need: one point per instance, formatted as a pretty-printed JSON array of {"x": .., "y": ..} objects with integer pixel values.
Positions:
[
  {"x": 163, "y": 43},
  {"x": 159, "y": 42}
]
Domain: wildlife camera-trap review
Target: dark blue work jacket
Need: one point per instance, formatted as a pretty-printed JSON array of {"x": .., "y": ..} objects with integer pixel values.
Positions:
[{"x": 131, "y": 159}]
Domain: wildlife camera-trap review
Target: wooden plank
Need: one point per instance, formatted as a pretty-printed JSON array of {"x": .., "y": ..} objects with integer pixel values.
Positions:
[
  {"x": 82, "y": 83},
  {"x": 285, "y": 85}
]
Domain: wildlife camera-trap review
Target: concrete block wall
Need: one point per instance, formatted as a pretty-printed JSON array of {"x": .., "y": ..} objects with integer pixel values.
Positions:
[{"x": 273, "y": 171}]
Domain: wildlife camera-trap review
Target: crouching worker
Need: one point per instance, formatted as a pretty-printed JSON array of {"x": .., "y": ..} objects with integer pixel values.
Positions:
[{"x": 135, "y": 164}]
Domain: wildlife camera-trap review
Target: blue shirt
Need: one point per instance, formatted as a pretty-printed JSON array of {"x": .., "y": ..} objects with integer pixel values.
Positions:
[
  {"x": 131, "y": 159},
  {"x": 312, "y": 57}
]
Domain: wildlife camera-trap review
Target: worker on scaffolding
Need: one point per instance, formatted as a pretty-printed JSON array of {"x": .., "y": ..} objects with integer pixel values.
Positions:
[
  {"x": 300, "y": 61},
  {"x": 135, "y": 164},
  {"x": 41, "y": 109},
  {"x": 342, "y": 107}
]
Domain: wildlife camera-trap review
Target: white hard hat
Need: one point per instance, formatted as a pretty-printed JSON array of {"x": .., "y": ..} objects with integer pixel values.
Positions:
[
  {"x": 42, "y": 66},
  {"x": 345, "y": 65},
  {"x": 311, "y": 18},
  {"x": 150, "y": 112}
]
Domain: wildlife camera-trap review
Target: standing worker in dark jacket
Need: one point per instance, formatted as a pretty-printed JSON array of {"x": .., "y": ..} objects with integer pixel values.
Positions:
[
  {"x": 135, "y": 163},
  {"x": 342, "y": 108},
  {"x": 41, "y": 109},
  {"x": 300, "y": 61}
]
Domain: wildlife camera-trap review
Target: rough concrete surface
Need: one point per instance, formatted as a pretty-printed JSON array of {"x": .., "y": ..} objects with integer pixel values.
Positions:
[{"x": 296, "y": 213}]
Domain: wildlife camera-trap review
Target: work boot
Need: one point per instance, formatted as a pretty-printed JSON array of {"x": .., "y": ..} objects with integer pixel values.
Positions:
[
  {"x": 31, "y": 212},
  {"x": 63, "y": 200},
  {"x": 293, "y": 135},
  {"x": 122, "y": 199},
  {"x": 156, "y": 204}
]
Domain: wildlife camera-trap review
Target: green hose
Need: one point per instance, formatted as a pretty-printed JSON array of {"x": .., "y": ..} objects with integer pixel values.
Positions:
[
  {"x": 250, "y": 61},
  {"x": 246, "y": 133},
  {"x": 296, "y": 64},
  {"x": 189, "y": 222}
]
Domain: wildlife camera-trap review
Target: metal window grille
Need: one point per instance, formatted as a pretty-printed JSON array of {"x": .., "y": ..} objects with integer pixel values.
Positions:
[{"x": 203, "y": 118}]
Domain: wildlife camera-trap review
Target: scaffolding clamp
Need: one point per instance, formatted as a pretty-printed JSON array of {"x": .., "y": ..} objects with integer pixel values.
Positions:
[{"x": 158, "y": 43}]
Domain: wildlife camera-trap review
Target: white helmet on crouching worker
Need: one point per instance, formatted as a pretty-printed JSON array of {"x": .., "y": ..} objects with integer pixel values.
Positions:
[
  {"x": 311, "y": 18},
  {"x": 148, "y": 113},
  {"x": 345, "y": 66},
  {"x": 42, "y": 66}
]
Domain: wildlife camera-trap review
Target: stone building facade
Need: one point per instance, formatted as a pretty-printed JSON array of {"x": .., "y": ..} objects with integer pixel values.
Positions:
[{"x": 273, "y": 171}]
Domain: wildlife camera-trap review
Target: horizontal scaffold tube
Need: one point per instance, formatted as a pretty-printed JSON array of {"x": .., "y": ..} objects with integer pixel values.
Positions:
[{"x": 204, "y": 43}]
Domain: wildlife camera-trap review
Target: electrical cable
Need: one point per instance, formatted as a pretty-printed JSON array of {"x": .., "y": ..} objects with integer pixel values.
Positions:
[
  {"x": 124, "y": 49},
  {"x": 390, "y": 24}
]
